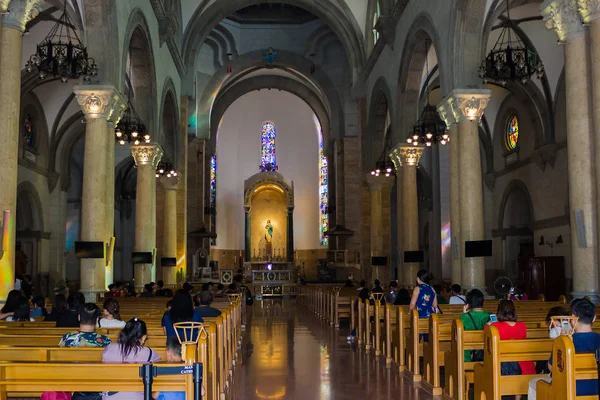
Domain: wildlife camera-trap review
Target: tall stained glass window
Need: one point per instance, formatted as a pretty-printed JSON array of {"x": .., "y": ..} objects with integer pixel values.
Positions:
[
  {"x": 268, "y": 159},
  {"x": 213, "y": 194},
  {"x": 512, "y": 133},
  {"x": 323, "y": 189}
]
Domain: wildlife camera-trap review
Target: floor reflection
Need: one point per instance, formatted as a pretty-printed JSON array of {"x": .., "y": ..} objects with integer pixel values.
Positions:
[{"x": 289, "y": 354}]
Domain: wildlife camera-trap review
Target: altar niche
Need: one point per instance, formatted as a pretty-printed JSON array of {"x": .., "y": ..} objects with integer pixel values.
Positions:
[{"x": 269, "y": 206}]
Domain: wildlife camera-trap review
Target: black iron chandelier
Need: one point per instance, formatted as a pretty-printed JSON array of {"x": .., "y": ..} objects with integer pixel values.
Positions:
[
  {"x": 165, "y": 168},
  {"x": 384, "y": 165},
  {"x": 510, "y": 59},
  {"x": 61, "y": 54},
  {"x": 430, "y": 128}
]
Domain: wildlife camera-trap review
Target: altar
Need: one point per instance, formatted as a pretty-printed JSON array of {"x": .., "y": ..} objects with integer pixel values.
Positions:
[{"x": 272, "y": 279}]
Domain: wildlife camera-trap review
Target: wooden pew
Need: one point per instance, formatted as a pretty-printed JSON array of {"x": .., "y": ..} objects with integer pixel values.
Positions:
[
  {"x": 489, "y": 383},
  {"x": 567, "y": 369}
]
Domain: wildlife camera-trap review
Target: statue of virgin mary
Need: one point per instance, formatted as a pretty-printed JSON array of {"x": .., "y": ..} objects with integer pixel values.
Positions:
[{"x": 269, "y": 231}]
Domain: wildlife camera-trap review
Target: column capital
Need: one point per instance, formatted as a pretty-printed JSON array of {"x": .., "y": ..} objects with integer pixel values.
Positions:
[
  {"x": 404, "y": 155},
  {"x": 589, "y": 10},
  {"x": 147, "y": 154},
  {"x": 446, "y": 113},
  {"x": 20, "y": 12},
  {"x": 100, "y": 102},
  {"x": 170, "y": 183},
  {"x": 466, "y": 104},
  {"x": 378, "y": 183},
  {"x": 563, "y": 17}
]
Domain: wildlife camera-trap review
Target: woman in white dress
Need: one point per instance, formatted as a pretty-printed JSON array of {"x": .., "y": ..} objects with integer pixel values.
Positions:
[{"x": 111, "y": 315}]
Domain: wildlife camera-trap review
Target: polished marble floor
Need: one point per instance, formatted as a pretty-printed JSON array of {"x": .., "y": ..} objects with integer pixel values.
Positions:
[{"x": 289, "y": 354}]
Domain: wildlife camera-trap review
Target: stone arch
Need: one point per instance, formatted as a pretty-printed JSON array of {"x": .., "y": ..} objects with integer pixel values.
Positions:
[
  {"x": 379, "y": 123},
  {"x": 169, "y": 122},
  {"x": 30, "y": 105},
  {"x": 205, "y": 19},
  {"x": 62, "y": 147},
  {"x": 30, "y": 215},
  {"x": 516, "y": 198},
  {"x": 416, "y": 48},
  {"x": 265, "y": 179},
  {"x": 138, "y": 41}
]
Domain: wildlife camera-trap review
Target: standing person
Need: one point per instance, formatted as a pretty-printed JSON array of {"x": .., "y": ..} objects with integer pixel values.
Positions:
[
  {"x": 86, "y": 335},
  {"x": 423, "y": 296},
  {"x": 129, "y": 349},
  {"x": 474, "y": 318},
  {"x": 111, "y": 315},
  {"x": 510, "y": 329},
  {"x": 182, "y": 310},
  {"x": 70, "y": 319},
  {"x": 457, "y": 296}
]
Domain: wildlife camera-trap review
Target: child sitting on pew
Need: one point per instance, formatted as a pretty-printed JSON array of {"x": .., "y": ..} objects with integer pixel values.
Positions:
[
  {"x": 584, "y": 340},
  {"x": 39, "y": 307}
]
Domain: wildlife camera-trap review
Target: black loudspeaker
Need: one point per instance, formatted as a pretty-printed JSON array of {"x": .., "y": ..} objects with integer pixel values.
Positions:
[
  {"x": 478, "y": 248},
  {"x": 141, "y": 257},
  {"x": 378, "y": 261},
  {"x": 414, "y": 257},
  {"x": 168, "y": 262},
  {"x": 89, "y": 249}
]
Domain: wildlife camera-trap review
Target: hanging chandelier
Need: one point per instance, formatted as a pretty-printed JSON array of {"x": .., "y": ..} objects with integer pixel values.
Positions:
[
  {"x": 61, "y": 54},
  {"x": 510, "y": 59},
  {"x": 130, "y": 128},
  {"x": 430, "y": 128},
  {"x": 165, "y": 168},
  {"x": 384, "y": 165}
]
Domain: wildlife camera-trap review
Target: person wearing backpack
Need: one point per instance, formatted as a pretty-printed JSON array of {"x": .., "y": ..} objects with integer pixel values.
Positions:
[{"x": 474, "y": 318}]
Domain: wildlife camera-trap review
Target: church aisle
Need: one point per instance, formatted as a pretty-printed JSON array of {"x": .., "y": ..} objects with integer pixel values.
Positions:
[{"x": 289, "y": 354}]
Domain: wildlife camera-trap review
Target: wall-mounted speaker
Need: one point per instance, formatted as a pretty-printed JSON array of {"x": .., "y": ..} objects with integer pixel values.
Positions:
[{"x": 580, "y": 225}]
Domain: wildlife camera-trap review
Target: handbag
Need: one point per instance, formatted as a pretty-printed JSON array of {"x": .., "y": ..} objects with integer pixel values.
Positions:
[
  {"x": 476, "y": 355},
  {"x": 56, "y": 396}
]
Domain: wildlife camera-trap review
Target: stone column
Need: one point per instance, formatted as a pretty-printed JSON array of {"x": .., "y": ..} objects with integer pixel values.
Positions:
[
  {"x": 406, "y": 159},
  {"x": 13, "y": 26},
  {"x": 562, "y": 16},
  {"x": 445, "y": 111},
  {"x": 98, "y": 103},
  {"x": 146, "y": 159},
  {"x": 170, "y": 227},
  {"x": 467, "y": 107},
  {"x": 379, "y": 186}
]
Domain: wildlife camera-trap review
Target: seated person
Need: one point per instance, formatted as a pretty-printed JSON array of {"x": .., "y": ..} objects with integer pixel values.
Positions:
[
  {"x": 220, "y": 288},
  {"x": 160, "y": 292},
  {"x": 585, "y": 340},
  {"x": 182, "y": 310},
  {"x": 391, "y": 296},
  {"x": 59, "y": 307},
  {"x": 203, "y": 307},
  {"x": 112, "y": 291},
  {"x": 147, "y": 291},
  {"x": 173, "y": 352},
  {"x": 457, "y": 296},
  {"x": 402, "y": 298},
  {"x": 510, "y": 329},
  {"x": 438, "y": 294},
  {"x": 348, "y": 284},
  {"x": 21, "y": 314},
  {"x": 70, "y": 319},
  {"x": 129, "y": 349},
  {"x": 474, "y": 318},
  {"x": 111, "y": 315},
  {"x": 86, "y": 335},
  {"x": 39, "y": 307}
]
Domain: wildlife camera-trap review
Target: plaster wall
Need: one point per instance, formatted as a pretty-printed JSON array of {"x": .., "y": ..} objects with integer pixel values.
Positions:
[{"x": 238, "y": 158}]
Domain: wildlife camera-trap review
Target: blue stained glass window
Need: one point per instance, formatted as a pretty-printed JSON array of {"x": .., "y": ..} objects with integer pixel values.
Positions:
[
  {"x": 268, "y": 158},
  {"x": 213, "y": 193},
  {"x": 323, "y": 190}
]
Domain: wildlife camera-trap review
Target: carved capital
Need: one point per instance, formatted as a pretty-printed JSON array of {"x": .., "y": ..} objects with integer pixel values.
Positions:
[
  {"x": 446, "y": 112},
  {"x": 378, "y": 183},
  {"x": 563, "y": 17},
  {"x": 404, "y": 155},
  {"x": 589, "y": 10},
  {"x": 100, "y": 102},
  {"x": 20, "y": 12},
  {"x": 467, "y": 104},
  {"x": 147, "y": 154},
  {"x": 170, "y": 183},
  {"x": 4, "y": 6}
]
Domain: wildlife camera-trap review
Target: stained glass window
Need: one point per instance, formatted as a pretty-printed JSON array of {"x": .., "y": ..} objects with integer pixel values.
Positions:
[
  {"x": 376, "y": 16},
  {"x": 213, "y": 194},
  {"x": 268, "y": 159},
  {"x": 28, "y": 131},
  {"x": 323, "y": 189},
  {"x": 512, "y": 133}
]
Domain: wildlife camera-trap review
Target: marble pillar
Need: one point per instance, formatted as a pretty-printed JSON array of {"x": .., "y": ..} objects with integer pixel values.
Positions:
[
  {"x": 447, "y": 115},
  {"x": 467, "y": 107},
  {"x": 170, "y": 185},
  {"x": 406, "y": 160},
  {"x": 146, "y": 159},
  {"x": 99, "y": 104},
  {"x": 585, "y": 272},
  {"x": 13, "y": 26},
  {"x": 379, "y": 186}
]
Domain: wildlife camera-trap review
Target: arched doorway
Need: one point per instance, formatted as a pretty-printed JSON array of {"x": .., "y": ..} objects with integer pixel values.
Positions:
[
  {"x": 30, "y": 230},
  {"x": 516, "y": 222}
]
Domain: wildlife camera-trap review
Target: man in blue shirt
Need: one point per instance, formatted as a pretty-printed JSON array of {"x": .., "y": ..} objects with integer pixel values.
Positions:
[{"x": 204, "y": 309}]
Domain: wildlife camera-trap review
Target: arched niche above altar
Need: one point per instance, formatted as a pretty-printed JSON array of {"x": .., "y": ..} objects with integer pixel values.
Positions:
[{"x": 269, "y": 206}]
